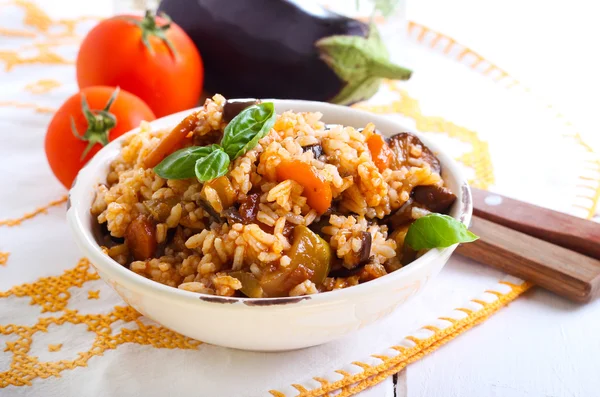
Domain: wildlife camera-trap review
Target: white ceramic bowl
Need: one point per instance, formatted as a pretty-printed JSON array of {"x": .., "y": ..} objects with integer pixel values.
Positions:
[{"x": 267, "y": 324}]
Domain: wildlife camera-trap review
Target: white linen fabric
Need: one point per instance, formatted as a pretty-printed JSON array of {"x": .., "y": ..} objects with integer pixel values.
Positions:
[{"x": 548, "y": 169}]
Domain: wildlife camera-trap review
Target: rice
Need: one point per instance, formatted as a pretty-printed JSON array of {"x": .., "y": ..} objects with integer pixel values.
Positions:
[
  {"x": 306, "y": 287},
  {"x": 196, "y": 250}
]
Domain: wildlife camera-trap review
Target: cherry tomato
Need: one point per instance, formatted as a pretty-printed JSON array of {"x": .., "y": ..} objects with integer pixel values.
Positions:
[
  {"x": 87, "y": 121},
  {"x": 148, "y": 56}
]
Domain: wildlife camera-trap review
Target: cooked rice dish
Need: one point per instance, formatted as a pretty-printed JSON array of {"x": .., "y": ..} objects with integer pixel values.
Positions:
[{"x": 310, "y": 208}]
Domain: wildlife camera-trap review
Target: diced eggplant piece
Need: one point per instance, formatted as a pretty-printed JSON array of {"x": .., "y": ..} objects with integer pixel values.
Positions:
[
  {"x": 323, "y": 220},
  {"x": 316, "y": 149},
  {"x": 288, "y": 229},
  {"x": 177, "y": 241},
  {"x": 245, "y": 214},
  {"x": 249, "y": 208},
  {"x": 402, "y": 216},
  {"x": 318, "y": 226},
  {"x": 232, "y": 215},
  {"x": 358, "y": 259},
  {"x": 279, "y": 283},
  {"x": 408, "y": 255},
  {"x": 434, "y": 198},
  {"x": 344, "y": 272},
  {"x": 402, "y": 145},
  {"x": 233, "y": 107},
  {"x": 338, "y": 269},
  {"x": 214, "y": 215},
  {"x": 141, "y": 238},
  {"x": 108, "y": 238},
  {"x": 403, "y": 251},
  {"x": 431, "y": 198}
]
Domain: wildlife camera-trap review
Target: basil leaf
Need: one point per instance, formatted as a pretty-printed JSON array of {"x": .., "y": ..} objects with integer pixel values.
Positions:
[
  {"x": 212, "y": 166},
  {"x": 180, "y": 164},
  {"x": 437, "y": 231},
  {"x": 245, "y": 130}
]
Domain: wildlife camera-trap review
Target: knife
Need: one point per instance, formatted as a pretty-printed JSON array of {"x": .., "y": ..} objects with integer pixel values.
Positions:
[{"x": 556, "y": 251}]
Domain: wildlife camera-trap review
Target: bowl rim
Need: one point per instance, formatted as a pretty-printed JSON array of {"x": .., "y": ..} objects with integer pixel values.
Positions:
[{"x": 78, "y": 206}]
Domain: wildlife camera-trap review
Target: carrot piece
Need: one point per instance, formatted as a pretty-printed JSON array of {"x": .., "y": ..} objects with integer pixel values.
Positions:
[
  {"x": 316, "y": 190},
  {"x": 171, "y": 141},
  {"x": 141, "y": 238},
  {"x": 380, "y": 151}
]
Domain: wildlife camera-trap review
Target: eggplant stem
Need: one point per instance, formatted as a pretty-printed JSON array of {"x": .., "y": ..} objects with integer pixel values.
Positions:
[
  {"x": 361, "y": 63},
  {"x": 385, "y": 69}
]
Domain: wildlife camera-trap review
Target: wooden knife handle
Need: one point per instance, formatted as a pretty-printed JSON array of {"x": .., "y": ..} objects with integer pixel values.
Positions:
[
  {"x": 563, "y": 271},
  {"x": 555, "y": 227}
]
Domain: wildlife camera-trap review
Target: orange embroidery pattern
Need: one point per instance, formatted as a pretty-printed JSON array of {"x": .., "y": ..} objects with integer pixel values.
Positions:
[
  {"x": 589, "y": 185},
  {"x": 41, "y": 210},
  {"x": 52, "y": 294},
  {"x": 42, "y": 86},
  {"x": 4, "y": 258},
  {"x": 34, "y": 16},
  {"x": 55, "y": 348},
  {"x": 44, "y": 55},
  {"x": 373, "y": 374},
  {"x": 94, "y": 294},
  {"x": 24, "y": 105},
  {"x": 435, "y": 38},
  {"x": 15, "y": 33},
  {"x": 39, "y": 20}
]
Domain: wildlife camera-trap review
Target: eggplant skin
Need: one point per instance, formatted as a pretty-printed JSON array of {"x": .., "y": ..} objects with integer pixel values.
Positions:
[{"x": 263, "y": 48}]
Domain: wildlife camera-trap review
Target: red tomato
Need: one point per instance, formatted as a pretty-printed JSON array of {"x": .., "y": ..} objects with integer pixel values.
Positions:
[
  {"x": 149, "y": 57},
  {"x": 66, "y": 152}
]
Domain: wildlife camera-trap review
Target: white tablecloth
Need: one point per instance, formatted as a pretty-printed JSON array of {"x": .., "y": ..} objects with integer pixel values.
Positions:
[{"x": 539, "y": 345}]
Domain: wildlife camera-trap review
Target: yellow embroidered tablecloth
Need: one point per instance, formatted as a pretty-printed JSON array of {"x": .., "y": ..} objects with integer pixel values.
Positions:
[{"x": 64, "y": 332}]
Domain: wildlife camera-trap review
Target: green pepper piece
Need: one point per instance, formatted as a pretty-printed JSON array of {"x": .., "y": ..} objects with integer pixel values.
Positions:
[
  {"x": 310, "y": 250},
  {"x": 311, "y": 259},
  {"x": 250, "y": 286}
]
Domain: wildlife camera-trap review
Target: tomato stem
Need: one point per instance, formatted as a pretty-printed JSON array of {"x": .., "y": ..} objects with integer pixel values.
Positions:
[
  {"x": 100, "y": 122},
  {"x": 149, "y": 28}
]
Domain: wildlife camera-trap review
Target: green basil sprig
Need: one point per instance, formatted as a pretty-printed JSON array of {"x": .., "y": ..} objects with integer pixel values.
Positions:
[
  {"x": 212, "y": 166},
  {"x": 209, "y": 162},
  {"x": 247, "y": 128},
  {"x": 437, "y": 231},
  {"x": 181, "y": 164}
]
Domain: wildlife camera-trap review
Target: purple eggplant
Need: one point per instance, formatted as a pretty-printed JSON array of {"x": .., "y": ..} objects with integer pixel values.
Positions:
[{"x": 284, "y": 49}]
